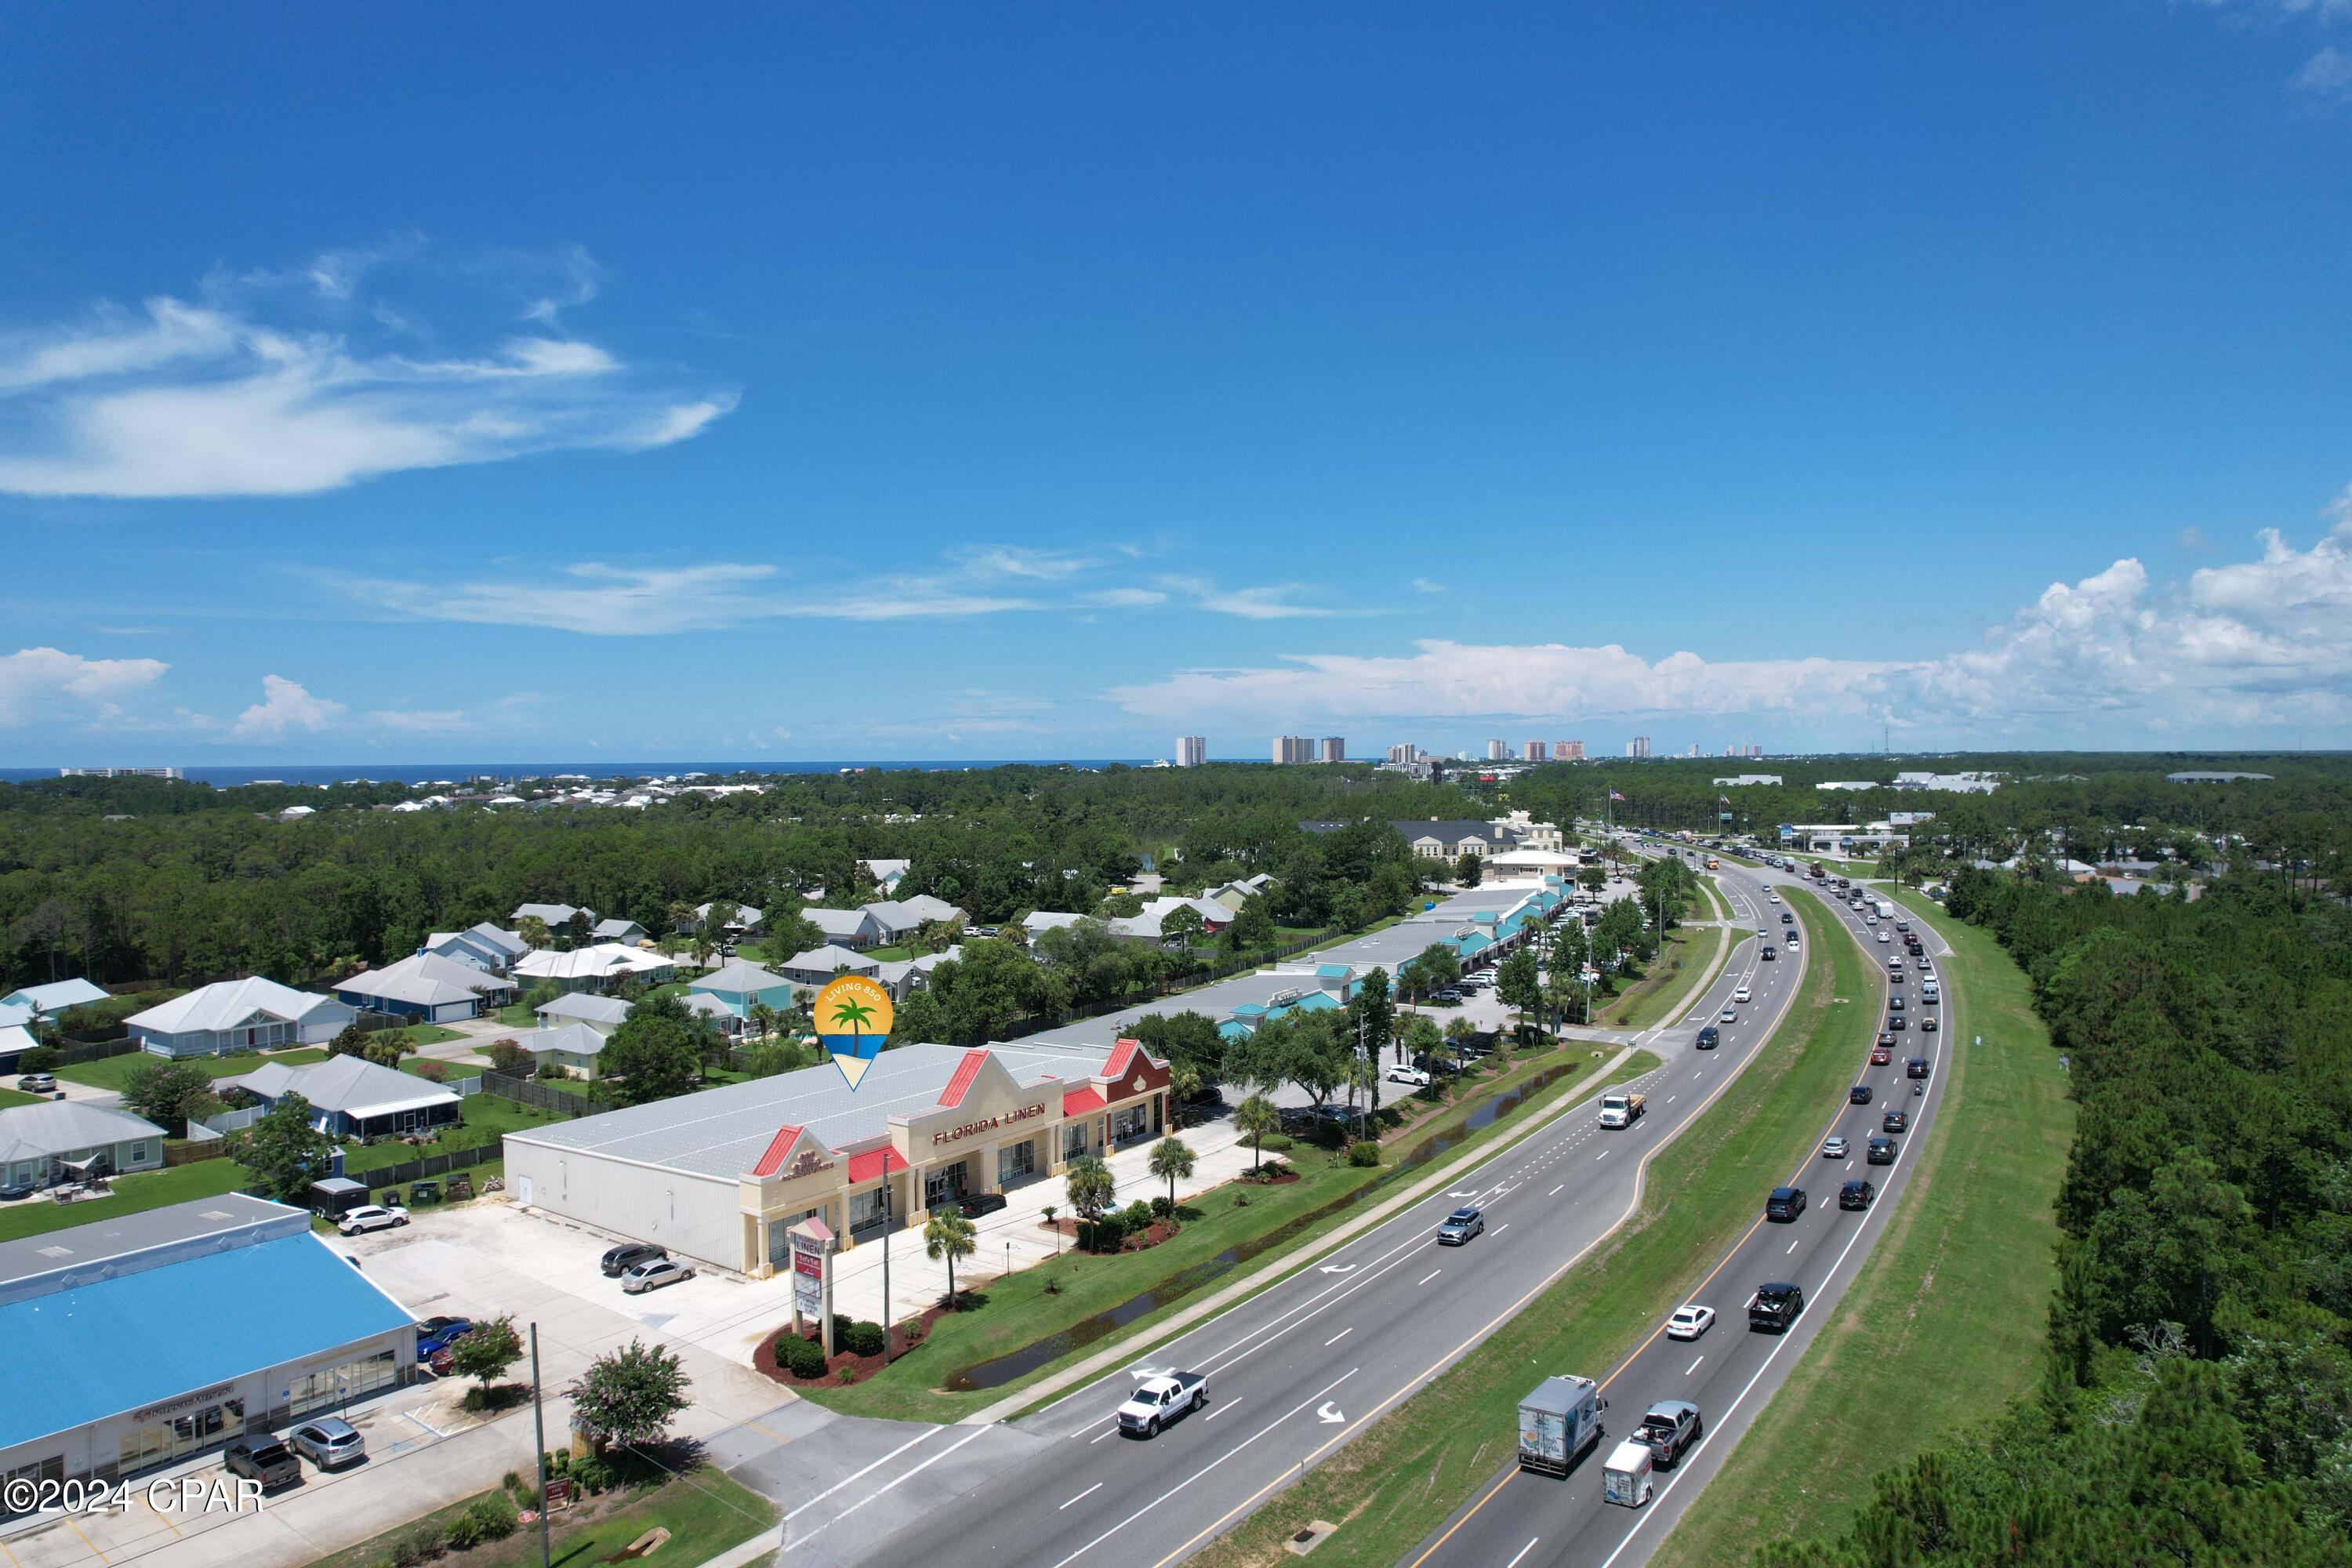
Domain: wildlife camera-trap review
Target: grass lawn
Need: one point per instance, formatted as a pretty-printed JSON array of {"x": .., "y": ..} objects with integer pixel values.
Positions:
[
  {"x": 140, "y": 1190},
  {"x": 426, "y": 1034},
  {"x": 894, "y": 952},
  {"x": 111, "y": 1072},
  {"x": 516, "y": 1016},
  {"x": 1950, "y": 1307},
  {"x": 704, "y": 1512},
  {"x": 9, "y": 1096},
  {"x": 487, "y": 1118},
  {"x": 1673, "y": 975},
  {"x": 1403, "y": 1475},
  {"x": 1019, "y": 1310}
]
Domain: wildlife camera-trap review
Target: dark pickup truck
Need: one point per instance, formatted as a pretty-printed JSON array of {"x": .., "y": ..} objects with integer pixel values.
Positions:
[{"x": 1774, "y": 1307}]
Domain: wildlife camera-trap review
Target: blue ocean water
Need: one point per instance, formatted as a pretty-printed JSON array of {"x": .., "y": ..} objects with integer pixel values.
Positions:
[{"x": 458, "y": 772}]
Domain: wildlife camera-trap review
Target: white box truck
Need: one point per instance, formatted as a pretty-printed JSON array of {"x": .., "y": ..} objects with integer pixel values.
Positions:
[
  {"x": 1885, "y": 907},
  {"x": 1557, "y": 1421},
  {"x": 1625, "y": 1474}
]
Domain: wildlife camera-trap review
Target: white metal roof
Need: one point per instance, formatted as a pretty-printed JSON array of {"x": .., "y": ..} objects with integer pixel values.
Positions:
[{"x": 225, "y": 1004}]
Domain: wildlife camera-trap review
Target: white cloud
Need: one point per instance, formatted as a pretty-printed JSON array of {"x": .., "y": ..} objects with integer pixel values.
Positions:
[
  {"x": 39, "y": 680},
  {"x": 216, "y": 399},
  {"x": 2326, "y": 75},
  {"x": 284, "y": 706},
  {"x": 1426, "y": 586},
  {"x": 2260, "y": 644},
  {"x": 1124, "y": 598},
  {"x": 416, "y": 722},
  {"x": 1272, "y": 601}
]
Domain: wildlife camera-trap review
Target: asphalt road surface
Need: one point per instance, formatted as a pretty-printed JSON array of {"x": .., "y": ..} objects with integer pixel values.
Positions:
[
  {"x": 1302, "y": 1366},
  {"x": 1521, "y": 1518}
]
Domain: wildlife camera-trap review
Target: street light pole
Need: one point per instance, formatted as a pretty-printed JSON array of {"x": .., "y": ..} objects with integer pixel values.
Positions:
[
  {"x": 886, "y": 1259},
  {"x": 539, "y": 1432}
]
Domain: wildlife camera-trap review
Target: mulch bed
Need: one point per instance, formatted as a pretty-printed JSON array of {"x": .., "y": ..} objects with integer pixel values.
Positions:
[{"x": 862, "y": 1366}]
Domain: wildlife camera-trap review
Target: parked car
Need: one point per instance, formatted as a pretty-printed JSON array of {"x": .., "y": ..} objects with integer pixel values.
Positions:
[
  {"x": 1400, "y": 1073},
  {"x": 1836, "y": 1148},
  {"x": 1858, "y": 1095},
  {"x": 1709, "y": 1037},
  {"x": 654, "y": 1275},
  {"x": 438, "y": 1334},
  {"x": 1855, "y": 1194},
  {"x": 329, "y": 1442},
  {"x": 1690, "y": 1321},
  {"x": 1895, "y": 1121},
  {"x": 371, "y": 1217},
  {"x": 1461, "y": 1226},
  {"x": 263, "y": 1459},
  {"x": 38, "y": 1083},
  {"x": 1785, "y": 1204},
  {"x": 10, "y": 1192},
  {"x": 619, "y": 1260},
  {"x": 1669, "y": 1427},
  {"x": 973, "y": 1204}
]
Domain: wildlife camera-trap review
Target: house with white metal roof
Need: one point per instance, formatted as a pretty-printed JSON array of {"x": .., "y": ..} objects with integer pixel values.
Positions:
[
  {"x": 246, "y": 1014},
  {"x": 351, "y": 1097},
  {"x": 814, "y": 970},
  {"x": 844, "y": 928},
  {"x": 888, "y": 874},
  {"x": 61, "y": 1140},
  {"x": 48, "y": 1001},
  {"x": 585, "y": 968},
  {"x": 739, "y": 986},
  {"x": 899, "y": 919},
  {"x": 601, "y": 1013},
  {"x": 555, "y": 917},
  {"x": 483, "y": 946},
  {"x": 426, "y": 987},
  {"x": 613, "y": 927},
  {"x": 573, "y": 1047}
]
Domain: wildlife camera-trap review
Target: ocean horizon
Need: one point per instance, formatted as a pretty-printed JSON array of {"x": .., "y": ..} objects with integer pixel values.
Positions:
[{"x": 459, "y": 772}]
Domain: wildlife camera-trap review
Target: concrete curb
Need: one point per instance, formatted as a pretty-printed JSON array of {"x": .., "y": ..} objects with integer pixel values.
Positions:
[{"x": 1117, "y": 1353}]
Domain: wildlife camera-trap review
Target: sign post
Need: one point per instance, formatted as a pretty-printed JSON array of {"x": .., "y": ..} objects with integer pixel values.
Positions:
[{"x": 812, "y": 1242}]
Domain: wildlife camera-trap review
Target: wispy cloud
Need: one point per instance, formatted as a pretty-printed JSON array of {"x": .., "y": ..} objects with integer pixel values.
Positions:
[
  {"x": 285, "y": 705},
  {"x": 2260, "y": 642},
  {"x": 44, "y": 681},
  {"x": 1272, "y": 601},
  {"x": 250, "y": 391},
  {"x": 1424, "y": 586},
  {"x": 2326, "y": 76}
]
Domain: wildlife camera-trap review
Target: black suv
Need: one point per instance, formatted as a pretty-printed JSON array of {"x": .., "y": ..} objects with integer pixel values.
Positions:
[
  {"x": 1774, "y": 1307},
  {"x": 1915, "y": 1068},
  {"x": 1709, "y": 1038},
  {"x": 1882, "y": 1152},
  {"x": 1858, "y": 1095},
  {"x": 1895, "y": 1121},
  {"x": 1785, "y": 1204},
  {"x": 1855, "y": 1194},
  {"x": 1787, "y": 919},
  {"x": 619, "y": 1260}
]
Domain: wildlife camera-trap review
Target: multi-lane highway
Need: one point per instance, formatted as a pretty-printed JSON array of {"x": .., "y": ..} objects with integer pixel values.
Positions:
[
  {"x": 1525, "y": 1520},
  {"x": 1305, "y": 1365}
]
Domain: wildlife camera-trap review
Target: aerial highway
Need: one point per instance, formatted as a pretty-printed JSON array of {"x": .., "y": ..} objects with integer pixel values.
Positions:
[
  {"x": 1302, "y": 1366},
  {"x": 1521, "y": 1518}
]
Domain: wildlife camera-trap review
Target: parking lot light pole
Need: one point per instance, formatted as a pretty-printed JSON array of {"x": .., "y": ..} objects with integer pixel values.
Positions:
[
  {"x": 886, "y": 1259},
  {"x": 539, "y": 1432}
]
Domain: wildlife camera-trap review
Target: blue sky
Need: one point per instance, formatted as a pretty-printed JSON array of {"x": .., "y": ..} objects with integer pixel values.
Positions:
[{"x": 531, "y": 382}]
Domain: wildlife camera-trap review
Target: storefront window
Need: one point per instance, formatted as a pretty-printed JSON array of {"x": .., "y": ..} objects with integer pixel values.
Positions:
[
  {"x": 333, "y": 1384},
  {"x": 170, "y": 1438},
  {"x": 943, "y": 1185},
  {"x": 1074, "y": 1140},
  {"x": 1129, "y": 1123},
  {"x": 865, "y": 1210},
  {"x": 1019, "y": 1160}
]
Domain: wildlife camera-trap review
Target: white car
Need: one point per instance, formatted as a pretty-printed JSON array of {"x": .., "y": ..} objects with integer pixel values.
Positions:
[
  {"x": 1413, "y": 1076},
  {"x": 654, "y": 1274},
  {"x": 1774, "y": 896},
  {"x": 1885, "y": 937},
  {"x": 1689, "y": 1322},
  {"x": 371, "y": 1217},
  {"x": 1740, "y": 994},
  {"x": 1730, "y": 1016}
]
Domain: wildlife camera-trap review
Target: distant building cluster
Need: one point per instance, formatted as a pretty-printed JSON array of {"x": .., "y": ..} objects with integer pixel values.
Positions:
[
  {"x": 119, "y": 773},
  {"x": 1191, "y": 750},
  {"x": 1305, "y": 749}
]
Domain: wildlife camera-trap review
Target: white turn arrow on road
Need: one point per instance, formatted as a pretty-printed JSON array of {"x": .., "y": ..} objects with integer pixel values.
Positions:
[
  {"x": 1338, "y": 1268},
  {"x": 1330, "y": 1415}
]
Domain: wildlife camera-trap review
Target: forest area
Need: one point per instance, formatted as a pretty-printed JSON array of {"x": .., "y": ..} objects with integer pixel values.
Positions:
[{"x": 2196, "y": 1402}]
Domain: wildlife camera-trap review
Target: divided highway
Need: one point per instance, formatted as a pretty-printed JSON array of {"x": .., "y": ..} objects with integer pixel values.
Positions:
[
  {"x": 1525, "y": 1520},
  {"x": 1310, "y": 1361}
]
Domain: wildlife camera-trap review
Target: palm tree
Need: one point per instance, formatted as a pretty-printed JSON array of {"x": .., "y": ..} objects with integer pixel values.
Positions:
[
  {"x": 947, "y": 1234},
  {"x": 1090, "y": 1185},
  {"x": 533, "y": 932},
  {"x": 1170, "y": 1160},
  {"x": 1254, "y": 1119},
  {"x": 764, "y": 1017}
]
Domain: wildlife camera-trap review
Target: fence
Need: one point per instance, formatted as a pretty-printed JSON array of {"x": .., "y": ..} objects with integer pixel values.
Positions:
[
  {"x": 202, "y": 1144},
  {"x": 80, "y": 1048},
  {"x": 508, "y": 1087},
  {"x": 430, "y": 1166}
]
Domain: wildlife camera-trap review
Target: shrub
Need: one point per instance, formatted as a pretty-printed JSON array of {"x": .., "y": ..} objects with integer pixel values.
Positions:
[
  {"x": 422, "y": 1544},
  {"x": 1107, "y": 1232},
  {"x": 1280, "y": 1143},
  {"x": 848, "y": 1374},
  {"x": 1163, "y": 1207},
  {"x": 432, "y": 1071},
  {"x": 592, "y": 1474},
  {"x": 548, "y": 1070},
  {"x": 1137, "y": 1217},
  {"x": 490, "y": 1518},
  {"x": 41, "y": 1058},
  {"x": 507, "y": 1057},
  {"x": 799, "y": 1356},
  {"x": 1367, "y": 1152},
  {"x": 860, "y": 1338}
]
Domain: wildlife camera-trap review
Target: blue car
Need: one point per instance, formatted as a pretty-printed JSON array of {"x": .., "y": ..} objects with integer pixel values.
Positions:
[{"x": 438, "y": 1334}]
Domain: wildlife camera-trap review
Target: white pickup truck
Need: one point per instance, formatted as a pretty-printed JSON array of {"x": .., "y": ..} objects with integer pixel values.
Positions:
[{"x": 1160, "y": 1400}]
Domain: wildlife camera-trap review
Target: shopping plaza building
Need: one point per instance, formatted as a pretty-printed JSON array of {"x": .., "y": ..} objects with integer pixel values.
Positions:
[{"x": 720, "y": 1176}]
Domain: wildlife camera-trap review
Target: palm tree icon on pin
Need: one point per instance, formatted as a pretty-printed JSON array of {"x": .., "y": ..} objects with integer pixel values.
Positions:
[{"x": 853, "y": 1016}]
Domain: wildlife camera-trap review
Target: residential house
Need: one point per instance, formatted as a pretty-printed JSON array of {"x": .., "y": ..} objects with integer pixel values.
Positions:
[
  {"x": 351, "y": 1097},
  {"x": 844, "y": 928},
  {"x": 555, "y": 917},
  {"x": 745, "y": 921},
  {"x": 572, "y": 1049},
  {"x": 15, "y": 1039},
  {"x": 601, "y": 1013},
  {"x": 739, "y": 986},
  {"x": 1234, "y": 894},
  {"x": 814, "y": 970},
  {"x": 1145, "y": 925},
  {"x": 900, "y": 920},
  {"x": 484, "y": 947},
  {"x": 586, "y": 968},
  {"x": 67, "y": 1140},
  {"x": 1441, "y": 840},
  {"x": 1037, "y": 923},
  {"x": 49, "y": 1001},
  {"x": 626, "y": 931},
  {"x": 246, "y": 1014},
  {"x": 427, "y": 988},
  {"x": 715, "y": 1013},
  {"x": 902, "y": 976},
  {"x": 888, "y": 874}
]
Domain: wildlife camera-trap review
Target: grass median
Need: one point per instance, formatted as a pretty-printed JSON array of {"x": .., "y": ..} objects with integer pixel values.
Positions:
[
  {"x": 1070, "y": 1297},
  {"x": 704, "y": 1512},
  {"x": 1950, "y": 1307},
  {"x": 1403, "y": 1475}
]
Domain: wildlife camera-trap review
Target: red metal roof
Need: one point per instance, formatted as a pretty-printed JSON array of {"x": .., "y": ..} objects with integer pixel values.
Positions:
[
  {"x": 1122, "y": 1056},
  {"x": 778, "y": 1147},
  {"x": 1078, "y": 1101},
  {"x": 966, "y": 1071},
  {"x": 872, "y": 1164}
]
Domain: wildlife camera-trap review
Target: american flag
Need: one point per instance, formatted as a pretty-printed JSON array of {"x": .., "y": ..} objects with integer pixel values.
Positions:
[{"x": 1614, "y": 795}]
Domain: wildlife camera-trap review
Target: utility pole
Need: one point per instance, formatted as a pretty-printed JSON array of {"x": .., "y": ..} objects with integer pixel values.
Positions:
[
  {"x": 888, "y": 1182},
  {"x": 539, "y": 1432}
]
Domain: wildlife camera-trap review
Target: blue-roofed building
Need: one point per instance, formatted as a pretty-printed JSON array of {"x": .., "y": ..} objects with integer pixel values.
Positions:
[{"x": 162, "y": 1333}]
